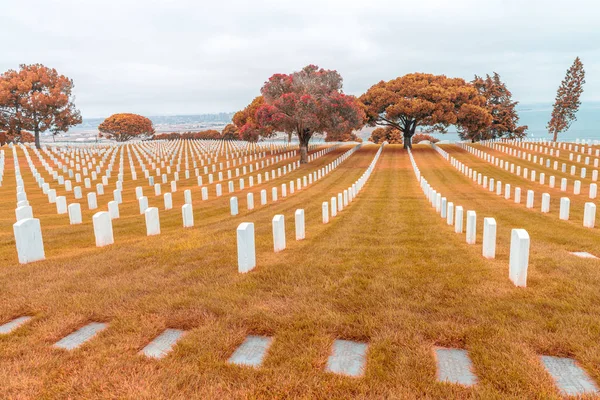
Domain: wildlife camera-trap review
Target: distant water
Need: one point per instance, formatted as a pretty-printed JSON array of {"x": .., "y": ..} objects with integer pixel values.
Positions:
[{"x": 536, "y": 116}]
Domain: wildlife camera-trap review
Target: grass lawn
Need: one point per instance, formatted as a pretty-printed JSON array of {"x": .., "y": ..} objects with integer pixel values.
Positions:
[{"x": 387, "y": 271}]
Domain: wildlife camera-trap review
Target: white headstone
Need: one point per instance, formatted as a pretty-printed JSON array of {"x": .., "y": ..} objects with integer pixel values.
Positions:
[
  {"x": 245, "y": 247},
  {"x": 168, "y": 201},
  {"x": 92, "y": 201},
  {"x": 103, "y": 228},
  {"x": 519, "y": 257},
  {"x": 299, "y": 220},
  {"x": 28, "y": 238},
  {"x": 589, "y": 215},
  {"x": 489, "y": 237},
  {"x": 458, "y": 220},
  {"x": 74, "y": 213},
  {"x": 188, "y": 215},
  {"x": 565, "y": 205},
  {"x": 152, "y": 221},
  {"x": 278, "y": 233},
  {"x": 472, "y": 226}
]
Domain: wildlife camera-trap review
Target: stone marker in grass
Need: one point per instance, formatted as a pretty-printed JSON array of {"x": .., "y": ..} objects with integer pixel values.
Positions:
[
  {"x": 489, "y": 237},
  {"x": 162, "y": 344},
  {"x": 233, "y": 205},
  {"x": 278, "y": 233},
  {"x": 299, "y": 222},
  {"x": 583, "y": 254},
  {"x": 454, "y": 366},
  {"x": 187, "y": 215},
  {"x": 450, "y": 214},
  {"x": 28, "y": 238},
  {"x": 168, "y": 201},
  {"x": 545, "y": 203},
  {"x": 80, "y": 336},
  {"x": 143, "y": 203},
  {"x": 518, "y": 195},
  {"x": 252, "y": 352},
  {"x": 61, "y": 205},
  {"x": 23, "y": 212},
  {"x": 333, "y": 206},
  {"x": 570, "y": 379},
  {"x": 565, "y": 205},
  {"x": 250, "y": 201},
  {"x": 74, "y": 210},
  {"x": 471, "y": 234},
  {"x": 325, "y": 212},
  {"x": 347, "y": 358},
  {"x": 245, "y": 247},
  {"x": 589, "y": 215},
  {"x": 103, "y": 229},
  {"x": 113, "y": 209},
  {"x": 530, "y": 198},
  {"x": 458, "y": 220},
  {"x": 10, "y": 326},
  {"x": 519, "y": 257}
]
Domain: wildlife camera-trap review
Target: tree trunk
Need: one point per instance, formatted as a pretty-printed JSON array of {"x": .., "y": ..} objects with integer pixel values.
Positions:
[
  {"x": 555, "y": 135},
  {"x": 289, "y": 137},
  {"x": 407, "y": 141},
  {"x": 37, "y": 138},
  {"x": 303, "y": 149}
]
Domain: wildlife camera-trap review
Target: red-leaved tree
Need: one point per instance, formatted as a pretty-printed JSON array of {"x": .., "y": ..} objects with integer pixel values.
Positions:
[{"x": 307, "y": 102}]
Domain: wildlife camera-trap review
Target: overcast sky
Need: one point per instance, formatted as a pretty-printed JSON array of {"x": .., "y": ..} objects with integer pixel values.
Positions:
[{"x": 189, "y": 57}]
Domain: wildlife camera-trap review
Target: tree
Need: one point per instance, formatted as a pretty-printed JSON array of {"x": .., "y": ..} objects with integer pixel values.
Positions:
[
  {"x": 307, "y": 102},
  {"x": 247, "y": 123},
  {"x": 567, "y": 100},
  {"x": 387, "y": 134},
  {"x": 36, "y": 98},
  {"x": 123, "y": 127},
  {"x": 230, "y": 132},
  {"x": 502, "y": 109},
  {"x": 343, "y": 137},
  {"x": 432, "y": 101}
]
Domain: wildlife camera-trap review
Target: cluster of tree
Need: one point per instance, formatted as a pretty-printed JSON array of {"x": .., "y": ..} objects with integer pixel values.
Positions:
[
  {"x": 394, "y": 136},
  {"x": 311, "y": 102},
  {"x": 125, "y": 126},
  {"x": 36, "y": 99}
]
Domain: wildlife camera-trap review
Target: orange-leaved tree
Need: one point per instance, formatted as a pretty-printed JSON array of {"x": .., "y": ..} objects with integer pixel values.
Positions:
[
  {"x": 247, "y": 123},
  {"x": 230, "y": 132},
  {"x": 431, "y": 101},
  {"x": 308, "y": 102},
  {"x": 37, "y": 99},
  {"x": 342, "y": 137},
  {"x": 123, "y": 127},
  {"x": 386, "y": 134},
  {"x": 567, "y": 100},
  {"x": 500, "y": 105}
]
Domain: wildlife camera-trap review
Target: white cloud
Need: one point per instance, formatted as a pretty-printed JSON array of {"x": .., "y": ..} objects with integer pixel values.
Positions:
[{"x": 158, "y": 57}]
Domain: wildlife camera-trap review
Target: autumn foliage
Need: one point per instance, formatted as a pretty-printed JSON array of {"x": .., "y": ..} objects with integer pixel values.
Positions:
[
  {"x": 342, "y": 137},
  {"x": 502, "y": 109},
  {"x": 424, "y": 100},
  {"x": 123, "y": 127},
  {"x": 24, "y": 137},
  {"x": 247, "y": 122},
  {"x": 394, "y": 136},
  {"x": 230, "y": 132},
  {"x": 567, "y": 100},
  {"x": 36, "y": 99},
  {"x": 307, "y": 102}
]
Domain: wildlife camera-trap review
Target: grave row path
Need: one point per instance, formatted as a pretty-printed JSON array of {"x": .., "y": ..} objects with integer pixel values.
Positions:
[
  {"x": 500, "y": 174},
  {"x": 61, "y": 238},
  {"x": 387, "y": 272}
]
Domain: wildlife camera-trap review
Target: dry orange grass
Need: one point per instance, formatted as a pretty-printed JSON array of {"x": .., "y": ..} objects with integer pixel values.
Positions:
[{"x": 387, "y": 270}]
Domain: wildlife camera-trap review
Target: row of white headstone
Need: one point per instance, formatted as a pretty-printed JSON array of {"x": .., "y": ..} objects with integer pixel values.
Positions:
[
  {"x": 299, "y": 184},
  {"x": 589, "y": 215},
  {"x": 519, "y": 246},
  {"x": 29, "y": 231},
  {"x": 549, "y": 163},
  {"x": 246, "y": 248},
  {"x": 245, "y": 231}
]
